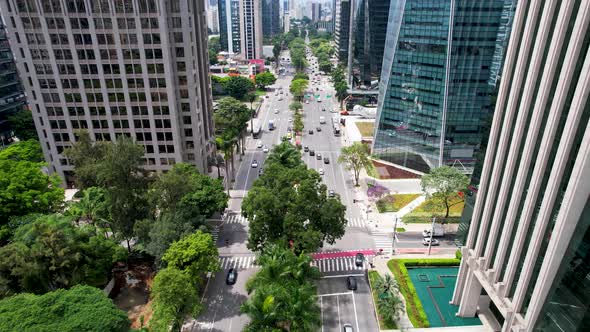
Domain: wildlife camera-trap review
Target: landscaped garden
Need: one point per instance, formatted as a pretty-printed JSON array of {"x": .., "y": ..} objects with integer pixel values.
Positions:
[
  {"x": 366, "y": 128},
  {"x": 394, "y": 202},
  {"x": 425, "y": 211},
  {"x": 429, "y": 276},
  {"x": 387, "y": 303}
]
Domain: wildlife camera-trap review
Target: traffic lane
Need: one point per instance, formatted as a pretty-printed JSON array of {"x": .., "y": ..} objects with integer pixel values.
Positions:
[
  {"x": 222, "y": 304},
  {"x": 414, "y": 240},
  {"x": 354, "y": 238},
  {"x": 344, "y": 306},
  {"x": 232, "y": 239}
]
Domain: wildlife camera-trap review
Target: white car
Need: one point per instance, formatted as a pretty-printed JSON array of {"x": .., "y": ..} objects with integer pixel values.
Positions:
[
  {"x": 254, "y": 164},
  {"x": 307, "y": 101},
  {"x": 321, "y": 171},
  {"x": 265, "y": 149},
  {"x": 259, "y": 145},
  {"x": 276, "y": 110},
  {"x": 426, "y": 241},
  {"x": 319, "y": 100}
]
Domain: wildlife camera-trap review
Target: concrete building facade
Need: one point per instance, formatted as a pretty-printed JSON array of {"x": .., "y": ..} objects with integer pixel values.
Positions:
[
  {"x": 135, "y": 68},
  {"x": 251, "y": 29},
  {"x": 526, "y": 261}
]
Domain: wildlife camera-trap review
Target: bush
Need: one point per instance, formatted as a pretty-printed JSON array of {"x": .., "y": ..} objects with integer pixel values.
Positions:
[
  {"x": 409, "y": 219},
  {"x": 385, "y": 324},
  {"x": 414, "y": 306},
  {"x": 458, "y": 254}
]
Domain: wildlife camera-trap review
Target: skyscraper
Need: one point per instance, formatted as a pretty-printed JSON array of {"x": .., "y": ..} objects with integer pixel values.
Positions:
[
  {"x": 436, "y": 89},
  {"x": 342, "y": 28},
  {"x": 12, "y": 96},
  {"x": 116, "y": 68},
  {"x": 229, "y": 25},
  {"x": 271, "y": 18},
  {"x": 526, "y": 263},
  {"x": 251, "y": 29},
  {"x": 316, "y": 11}
]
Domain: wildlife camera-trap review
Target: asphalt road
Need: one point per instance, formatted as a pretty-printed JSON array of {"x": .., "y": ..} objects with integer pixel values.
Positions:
[{"x": 340, "y": 306}]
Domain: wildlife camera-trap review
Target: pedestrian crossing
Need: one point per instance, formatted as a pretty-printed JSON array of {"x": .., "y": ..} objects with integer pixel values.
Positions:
[
  {"x": 235, "y": 218},
  {"x": 382, "y": 240},
  {"x": 356, "y": 222},
  {"x": 215, "y": 233},
  {"x": 338, "y": 264},
  {"x": 236, "y": 262}
]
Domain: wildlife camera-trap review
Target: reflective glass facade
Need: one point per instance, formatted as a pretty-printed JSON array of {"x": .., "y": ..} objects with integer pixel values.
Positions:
[
  {"x": 438, "y": 63},
  {"x": 229, "y": 27},
  {"x": 12, "y": 97},
  {"x": 271, "y": 19}
]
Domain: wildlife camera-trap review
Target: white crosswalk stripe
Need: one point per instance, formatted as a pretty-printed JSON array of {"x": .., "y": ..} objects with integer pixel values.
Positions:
[
  {"x": 337, "y": 264},
  {"x": 356, "y": 222},
  {"x": 235, "y": 218},
  {"x": 241, "y": 262},
  {"x": 382, "y": 240},
  {"x": 215, "y": 233}
]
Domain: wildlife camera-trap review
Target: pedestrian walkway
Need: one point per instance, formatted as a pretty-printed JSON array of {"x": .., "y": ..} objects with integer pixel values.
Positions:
[
  {"x": 236, "y": 262},
  {"x": 382, "y": 240},
  {"x": 215, "y": 233},
  {"x": 235, "y": 218},
  {"x": 356, "y": 222},
  {"x": 339, "y": 264}
]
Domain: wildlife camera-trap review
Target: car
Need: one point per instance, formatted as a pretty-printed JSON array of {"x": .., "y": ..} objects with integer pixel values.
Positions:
[
  {"x": 318, "y": 129},
  {"x": 266, "y": 97},
  {"x": 426, "y": 241},
  {"x": 323, "y": 109},
  {"x": 359, "y": 259},
  {"x": 290, "y": 120},
  {"x": 280, "y": 98},
  {"x": 351, "y": 283},
  {"x": 260, "y": 171},
  {"x": 311, "y": 153},
  {"x": 310, "y": 131},
  {"x": 259, "y": 145},
  {"x": 331, "y": 193},
  {"x": 254, "y": 163},
  {"x": 265, "y": 149},
  {"x": 276, "y": 110},
  {"x": 319, "y": 100},
  {"x": 232, "y": 277},
  {"x": 321, "y": 171},
  {"x": 306, "y": 148},
  {"x": 289, "y": 135},
  {"x": 347, "y": 328},
  {"x": 326, "y": 160},
  {"x": 281, "y": 92},
  {"x": 276, "y": 94},
  {"x": 318, "y": 156},
  {"x": 307, "y": 101}
]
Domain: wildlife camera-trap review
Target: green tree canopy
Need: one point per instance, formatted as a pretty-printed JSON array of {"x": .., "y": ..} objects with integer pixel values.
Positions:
[
  {"x": 289, "y": 203},
  {"x": 443, "y": 185},
  {"x": 237, "y": 86},
  {"x": 231, "y": 116},
  {"x": 23, "y": 125},
  {"x": 298, "y": 87},
  {"x": 81, "y": 308},
  {"x": 355, "y": 158},
  {"x": 301, "y": 76},
  {"x": 84, "y": 155},
  {"x": 175, "y": 295},
  {"x": 196, "y": 254},
  {"x": 265, "y": 79},
  {"x": 52, "y": 253},
  {"x": 23, "y": 151}
]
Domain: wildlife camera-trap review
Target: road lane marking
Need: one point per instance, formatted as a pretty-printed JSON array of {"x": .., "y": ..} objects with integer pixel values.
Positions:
[
  {"x": 338, "y": 306},
  {"x": 355, "y": 315},
  {"x": 343, "y": 276}
]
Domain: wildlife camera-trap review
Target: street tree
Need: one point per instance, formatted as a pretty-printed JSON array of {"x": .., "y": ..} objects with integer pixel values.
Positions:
[
  {"x": 23, "y": 151},
  {"x": 23, "y": 125},
  {"x": 341, "y": 91},
  {"x": 298, "y": 88},
  {"x": 226, "y": 143},
  {"x": 237, "y": 86},
  {"x": 445, "y": 186},
  {"x": 295, "y": 106},
  {"x": 231, "y": 118},
  {"x": 175, "y": 296},
  {"x": 265, "y": 79},
  {"x": 81, "y": 308},
  {"x": 195, "y": 254},
  {"x": 120, "y": 173},
  {"x": 51, "y": 253},
  {"x": 299, "y": 76},
  {"x": 286, "y": 155},
  {"x": 85, "y": 155},
  {"x": 298, "y": 122},
  {"x": 92, "y": 208},
  {"x": 355, "y": 158}
]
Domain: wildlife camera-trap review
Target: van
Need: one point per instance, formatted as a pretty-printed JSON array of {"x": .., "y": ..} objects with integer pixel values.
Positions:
[{"x": 322, "y": 119}]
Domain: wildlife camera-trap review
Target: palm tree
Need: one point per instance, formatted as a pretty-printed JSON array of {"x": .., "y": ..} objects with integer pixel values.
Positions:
[
  {"x": 285, "y": 154},
  {"x": 390, "y": 307},
  {"x": 262, "y": 309},
  {"x": 226, "y": 146},
  {"x": 302, "y": 310}
]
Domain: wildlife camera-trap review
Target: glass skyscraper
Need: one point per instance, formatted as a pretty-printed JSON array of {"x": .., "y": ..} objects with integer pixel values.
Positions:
[
  {"x": 229, "y": 25},
  {"x": 271, "y": 18},
  {"x": 438, "y": 81}
]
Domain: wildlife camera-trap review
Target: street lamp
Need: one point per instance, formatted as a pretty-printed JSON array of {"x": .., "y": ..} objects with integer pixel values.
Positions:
[
  {"x": 431, "y": 235},
  {"x": 394, "y": 234}
]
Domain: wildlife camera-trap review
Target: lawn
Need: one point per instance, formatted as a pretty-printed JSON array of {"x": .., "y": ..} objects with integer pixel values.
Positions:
[
  {"x": 385, "y": 325},
  {"x": 260, "y": 93},
  {"x": 394, "y": 202},
  {"x": 425, "y": 211},
  {"x": 366, "y": 128},
  {"x": 372, "y": 171}
]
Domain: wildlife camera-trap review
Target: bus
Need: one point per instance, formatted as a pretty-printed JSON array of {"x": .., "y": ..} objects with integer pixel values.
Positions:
[{"x": 336, "y": 127}]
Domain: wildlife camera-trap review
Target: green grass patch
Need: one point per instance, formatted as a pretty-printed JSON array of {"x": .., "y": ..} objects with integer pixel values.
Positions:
[
  {"x": 425, "y": 211},
  {"x": 394, "y": 202},
  {"x": 260, "y": 93},
  {"x": 414, "y": 306},
  {"x": 366, "y": 128},
  {"x": 400, "y": 229},
  {"x": 385, "y": 324},
  {"x": 372, "y": 171}
]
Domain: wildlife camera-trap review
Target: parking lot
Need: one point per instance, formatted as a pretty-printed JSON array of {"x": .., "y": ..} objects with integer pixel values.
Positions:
[{"x": 340, "y": 306}]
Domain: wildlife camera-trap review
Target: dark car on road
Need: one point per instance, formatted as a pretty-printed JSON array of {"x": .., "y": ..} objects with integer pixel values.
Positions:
[
  {"x": 326, "y": 160},
  {"x": 231, "y": 277},
  {"x": 359, "y": 259},
  {"x": 351, "y": 283},
  {"x": 311, "y": 153},
  {"x": 310, "y": 131},
  {"x": 318, "y": 129}
]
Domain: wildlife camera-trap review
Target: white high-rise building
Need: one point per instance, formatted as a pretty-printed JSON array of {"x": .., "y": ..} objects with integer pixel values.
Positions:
[
  {"x": 135, "y": 68},
  {"x": 251, "y": 29},
  {"x": 526, "y": 262}
]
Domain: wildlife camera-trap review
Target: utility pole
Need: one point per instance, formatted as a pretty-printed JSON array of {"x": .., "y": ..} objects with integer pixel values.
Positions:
[
  {"x": 394, "y": 234},
  {"x": 431, "y": 235}
]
